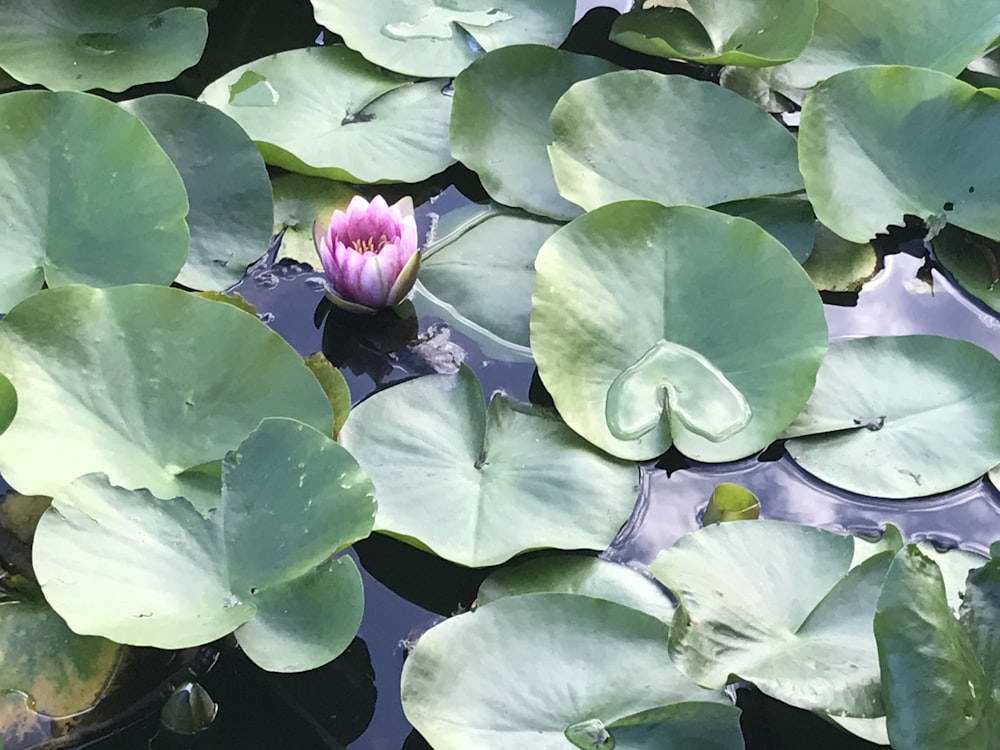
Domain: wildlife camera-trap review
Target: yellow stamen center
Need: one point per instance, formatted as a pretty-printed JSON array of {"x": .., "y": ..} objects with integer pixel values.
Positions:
[{"x": 370, "y": 244}]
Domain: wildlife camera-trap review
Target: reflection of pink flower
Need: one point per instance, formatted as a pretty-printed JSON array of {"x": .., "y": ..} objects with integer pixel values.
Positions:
[{"x": 369, "y": 253}]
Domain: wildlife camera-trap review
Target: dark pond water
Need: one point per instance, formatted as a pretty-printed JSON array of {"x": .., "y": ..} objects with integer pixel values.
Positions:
[{"x": 355, "y": 700}]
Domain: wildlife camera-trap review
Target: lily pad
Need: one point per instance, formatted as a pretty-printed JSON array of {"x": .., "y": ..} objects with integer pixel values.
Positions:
[
  {"x": 581, "y": 575},
  {"x": 114, "y": 216},
  {"x": 732, "y": 32},
  {"x": 227, "y": 187},
  {"x": 837, "y": 265},
  {"x": 870, "y": 151},
  {"x": 59, "y": 672},
  {"x": 973, "y": 260},
  {"x": 731, "y": 502},
  {"x": 169, "y": 576},
  {"x": 140, "y": 383},
  {"x": 615, "y": 283},
  {"x": 493, "y": 482},
  {"x": 328, "y": 112},
  {"x": 779, "y": 605},
  {"x": 334, "y": 386},
  {"x": 538, "y": 670},
  {"x": 485, "y": 269},
  {"x": 429, "y": 38},
  {"x": 300, "y": 202},
  {"x": 640, "y": 134},
  {"x": 789, "y": 220},
  {"x": 113, "y": 45},
  {"x": 901, "y": 416},
  {"x": 8, "y": 403},
  {"x": 922, "y": 33},
  {"x": 938, "y": 672},
  {"x": 500, "y": 122}
]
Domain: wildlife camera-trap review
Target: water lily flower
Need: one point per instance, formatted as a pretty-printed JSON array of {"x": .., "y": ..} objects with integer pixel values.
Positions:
[{"x": 369, "y": 254}]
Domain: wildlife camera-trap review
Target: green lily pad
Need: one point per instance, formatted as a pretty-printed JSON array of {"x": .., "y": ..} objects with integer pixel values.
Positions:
[
  {"x": 140, "y": 383},
  {"x": 334, "y": 386},
  {"x": 227, "y": 186},
  {"x": 779, "y": 605},
  {"x": 973, "y": 260},
  {"x": 328, "y": 112},
  {"x": 583, "y": 576},
  {"x": 789, "y": 220},
  {"x": 500, "y": 122},
  {"x": 640, "y": 134},
  {"x": 922, "y": 33},
  {"x": 938, "y": 672},
  {"x": 300, "y": 202},
  {"x": 837, "y": 265},
  {"x": 259, "y": 561},
  {"x": 731, "y": 502},
  {"x": 901, "y": 416},
  {"x": 732, "y": 32},
  {"x": 493, "y": 482},
  {"x": 538, "y": 670},
  {"x": 485, "y": 269},
  {"x": 8, "y": 403},
  {"x": 631, "y": 290},
  {"x": 59, "y": 672},
  {"x": 429, "y": 38},
  {"x": 870, "y": 151},
  {"x": 113, "y": 45},
  {"x": 114, "y": 216}
]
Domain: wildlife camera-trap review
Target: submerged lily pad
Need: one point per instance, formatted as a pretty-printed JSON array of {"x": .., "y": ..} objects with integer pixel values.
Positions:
[
  {"x": 300, "y": 202},
  {"x": 732, "y": 32},
  {"x": 113, "y": 44},
  {"x": 140, "y": 383},
  {"x": 640, "y": 134},
  {"x": 538, "y": 670},
  {"x": 779, "y": 605},
  {"x": 8, "y": 403},
  {"x": 334, "y": 386},
  {"x": 656, "y": 325},
  {"x": 169, "y": 576},
  {"x": 485, "y": 268},
  {"x": 731, "y": 502},
  {"x": 939, "y": 673},
  {"x": 58, "y": 672},
  {"x": 837, "y": 265},
  {"x": 226, "y": 182},
  {"x": 901, "y": 416},
  {"x": 973, "y": 260},
  {"x": 493, "y": 482},
  {"x": 581, "y": 575},
  {"x": 114, "y": 216},
  {"x": 500, "y": 122},
  {"x": 429, "y": 38},
  {"x": 870, "y": 151},
  {"x": 328, "y": 112}
]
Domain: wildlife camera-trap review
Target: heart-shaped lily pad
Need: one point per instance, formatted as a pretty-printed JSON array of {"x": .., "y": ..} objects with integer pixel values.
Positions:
[
  {"x": 485, "y": 268},
  {"x": 113, "y": 44},
  {"x": 114, "y": 216},
  {"x": 538, "y": 670},
  {"x": 328, "y": 112},
  {"x": 227, "y": 186},
  {"x": 170, "y": 576},
  {"x": 493, "y": 482},
  {"x": 732, "y": 32},
  {"x": 500, "y": 122},
  {"x": 870, "y": 148},
  {"x": 140, "y": 383},
  {"x": 656, "y": 325},
  {"x": 901, "y": 416},
  {"x": 640, "y": 134},
  {"x": 429, "y": 38},
  {"x": 777, "y": 604}
]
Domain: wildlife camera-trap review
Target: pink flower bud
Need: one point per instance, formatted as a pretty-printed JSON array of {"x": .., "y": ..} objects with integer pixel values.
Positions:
[{"x": 369, "y": 253}]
